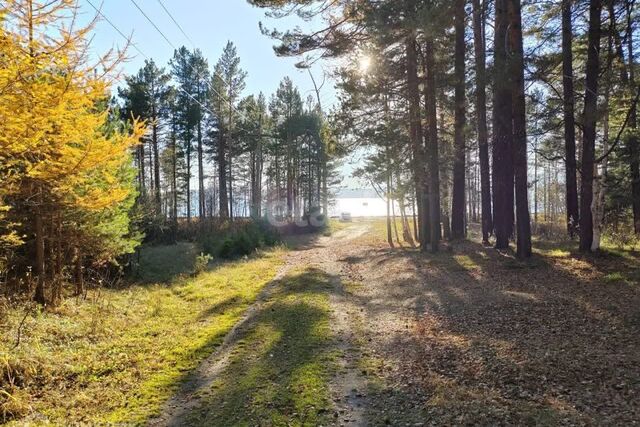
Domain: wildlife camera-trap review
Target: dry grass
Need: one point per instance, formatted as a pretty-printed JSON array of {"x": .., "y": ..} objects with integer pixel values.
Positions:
[{"x": 116, "y": 357}]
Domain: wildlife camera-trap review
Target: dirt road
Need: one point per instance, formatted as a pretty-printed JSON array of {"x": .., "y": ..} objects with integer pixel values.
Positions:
[
  {"x": 466, "y": 337},
  {"x": 348, "y": 389}
]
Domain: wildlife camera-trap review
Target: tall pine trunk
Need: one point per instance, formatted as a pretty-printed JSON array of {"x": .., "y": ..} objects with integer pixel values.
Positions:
[
  {"x": 389, "y": 234},
  {"x": 289, "y": 178},
  {"x": 141, "y": 169},
  {"x": 201, "y": 195},
  {"x": 573, "y": 216},
  {"x": 519, "y": 131},
  {"x": 458, "y": 196},
  {"x": 202, "y": 210},
  {"x": 230, "y": 180},
  {"x": 627, "y": 77},
  {"x": 589, "y": 124},
  {"x": 416, "y": 135},
  {"x": 156, "y": 162},
  {"x": 634, "y": 149},
  {"x": 188, "y": 181},
  {"x": 502, "y": 134},
  {"x": 432, "y": 147},
  {"x": 600, "y": 180},
  {"x": 222, "y": 177},
  {"x": 174, "y": 182},
  {"x": 388, "y": 164},
  {"x": 257, "y": 191},
  {"x": 481, "y": 111}
]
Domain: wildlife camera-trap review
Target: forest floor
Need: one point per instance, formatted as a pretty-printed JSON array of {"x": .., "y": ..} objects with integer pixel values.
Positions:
[
  {"x": 343, "y": 330},
  {"x": 471, "y": 336}
]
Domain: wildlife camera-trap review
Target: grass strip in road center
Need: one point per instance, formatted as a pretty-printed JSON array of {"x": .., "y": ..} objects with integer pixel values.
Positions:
[{"x": 280, "y": 369}]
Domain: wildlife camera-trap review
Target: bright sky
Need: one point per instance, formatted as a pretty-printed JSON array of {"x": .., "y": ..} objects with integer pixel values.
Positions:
[{"x": 209, "y": 24}]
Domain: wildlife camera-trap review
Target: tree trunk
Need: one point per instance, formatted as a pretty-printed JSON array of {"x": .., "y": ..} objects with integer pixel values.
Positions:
[
  {"x": 502, "y": 134},
  {"x": 535, "y": 182},
  {"x": 458, "y": 196},
  {"x": 174, "y": 184},
  {"x": 413, "y": 94},
  {"x": 40, "y": 267},
  {"x": 589, "y": 124},
  {"x": 600, "y": 184},
  {"x": 627, "y": 79},
  {"x": 156, "y": 164},
  {"x": 188, "y": 182},
  {"x": 523, "y": 220},
  {"x": 325, "y": 185},
  {"x": 230, "y": 180},
  {"x": 253, "y": 178},
  {"x": 141, "y": 169},
  {"x": 77, "y": 271},
  {"x": 573, "y": 216},
  {"x": 393, "y": 221},
  {"x": 481, "y": 111},
  {"x": 633, "y": 139},
  {"x": 258, "y": 195},
  {"x": 634, "y": 149},
  {"x": 433, "y": 146},
  {"x": 389, "y": 235},
  {"x": 388, "y": 166},
  {"x": 256, "y": 177},
  {"x": 406, "y": 231},
  {"x": 414, "y": 209},
  {"x": 289, "y": 178},
  {"x": 222, "y": 177},
  {"x": 201, "y": 195},
  {"x": 151, "y": 177}
]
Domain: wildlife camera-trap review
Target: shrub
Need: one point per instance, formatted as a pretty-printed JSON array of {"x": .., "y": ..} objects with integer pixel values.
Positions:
[
  {"x": 237, "y": 239},
  {"x": 202, "y": 261}
]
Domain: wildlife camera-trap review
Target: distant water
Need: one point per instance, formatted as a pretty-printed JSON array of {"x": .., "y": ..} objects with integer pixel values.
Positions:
[{"x": 361, "y": 206}]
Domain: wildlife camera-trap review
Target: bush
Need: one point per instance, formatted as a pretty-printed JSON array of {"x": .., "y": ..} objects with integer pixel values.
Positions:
[
  {"x": 621, "y": 237},
  {"x": 237, "y": 239},
  {"x": 202, "y": 261}
]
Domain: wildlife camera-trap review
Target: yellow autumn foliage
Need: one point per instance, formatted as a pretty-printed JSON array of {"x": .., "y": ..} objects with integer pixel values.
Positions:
[{"x": 59, "y": 153}]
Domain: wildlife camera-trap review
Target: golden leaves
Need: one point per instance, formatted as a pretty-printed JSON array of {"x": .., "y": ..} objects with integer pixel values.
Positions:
[{"x": 53, "y": 116}]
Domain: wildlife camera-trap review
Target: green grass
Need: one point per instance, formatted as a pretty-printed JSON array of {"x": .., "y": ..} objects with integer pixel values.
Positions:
[
  {"x": 119, "y": 356},
  {"x": 280, "y": 369},
  {"x": 378, "y": 233},
  {"x": 333, "y": 226},
  {"x": 465, "y": 262},
  {"x": 614, "y": 277}
]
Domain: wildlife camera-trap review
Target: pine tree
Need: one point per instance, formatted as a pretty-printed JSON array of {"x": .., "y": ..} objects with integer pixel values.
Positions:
[
  {"x": 228, "y": 82},
  {"x": 144, "y": 98},
  {"x": 187, "y": 113}
]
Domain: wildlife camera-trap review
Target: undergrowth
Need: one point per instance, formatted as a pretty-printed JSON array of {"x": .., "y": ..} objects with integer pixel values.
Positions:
[{"x": 236, "y": 239}]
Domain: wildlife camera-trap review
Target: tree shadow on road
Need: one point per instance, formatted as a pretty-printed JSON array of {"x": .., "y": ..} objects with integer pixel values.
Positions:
[
  {"x": 278, "y": 366},
  {"x": 490, "y": 339}
]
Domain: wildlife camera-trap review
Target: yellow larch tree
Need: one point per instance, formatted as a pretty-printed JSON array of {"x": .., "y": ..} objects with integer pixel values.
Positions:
[{"x": 66, "y": 170}]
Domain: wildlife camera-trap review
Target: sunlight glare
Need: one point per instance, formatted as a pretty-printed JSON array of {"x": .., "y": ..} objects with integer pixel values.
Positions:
[{"x": 365, "y": 63}]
